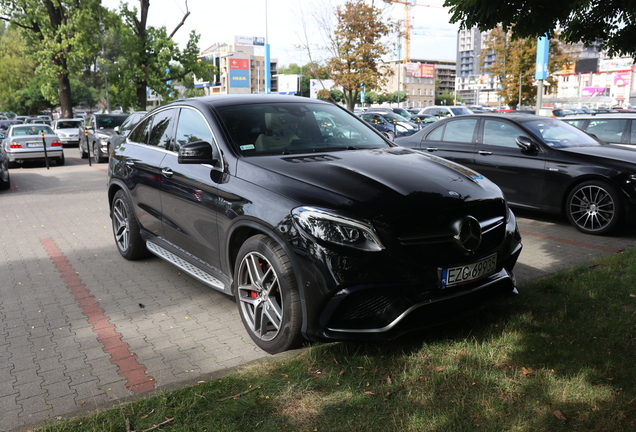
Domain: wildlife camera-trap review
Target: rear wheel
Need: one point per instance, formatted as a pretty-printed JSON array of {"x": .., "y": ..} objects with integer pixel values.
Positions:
[
  {"x": 267, "y": 295},
  {"x": 594, "y": 207},
  {"x": 390, "y": 135},
  {"x": 60, "y": 161},
  {"x": 126, "y": 228}
]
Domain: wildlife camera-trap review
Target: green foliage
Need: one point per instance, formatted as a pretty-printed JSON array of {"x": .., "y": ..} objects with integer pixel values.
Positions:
[
  {"x": 445, "y": 99},
  {"x": 148, "y": 58},
  {"x": 59, "y": 36},
  {"x": 397, "y": 97},
  {"x": 357, "y": 47},
  {"x": 609, "y": 20},
  {"x": 515, "y": 65},
  {"x": 17, "y": 70}
]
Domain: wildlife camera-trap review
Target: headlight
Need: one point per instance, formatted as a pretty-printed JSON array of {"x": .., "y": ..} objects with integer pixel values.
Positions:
[
  {"x": 102, "y": 137},
  {"x": 336, "y": 228}
]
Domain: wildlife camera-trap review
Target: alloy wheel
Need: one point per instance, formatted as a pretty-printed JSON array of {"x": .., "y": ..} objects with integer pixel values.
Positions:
[
  {"x": 260, "y": 296},
  {"x": 592, "y": 208},
  {"x": 121, "y": 226}
]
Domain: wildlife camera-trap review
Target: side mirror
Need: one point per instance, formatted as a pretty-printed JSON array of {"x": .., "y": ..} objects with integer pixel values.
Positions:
[
  {"x": 526, "y": 144},
  {"x": 200, "y": 152},
  {"x": 117, "y": 130}
]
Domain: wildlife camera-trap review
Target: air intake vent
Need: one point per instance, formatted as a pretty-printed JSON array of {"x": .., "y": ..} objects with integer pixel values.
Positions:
[{"x": 308, "y": 159}]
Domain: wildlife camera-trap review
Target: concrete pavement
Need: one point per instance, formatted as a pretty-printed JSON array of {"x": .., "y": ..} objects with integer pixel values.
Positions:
[{"x": 82, "y": 328}]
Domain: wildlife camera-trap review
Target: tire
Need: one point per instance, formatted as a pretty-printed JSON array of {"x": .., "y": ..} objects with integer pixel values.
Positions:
[
  {"x": 83, "y": 154},
  {"x": 126, "y": 228},
  {"x": 267, "y": 295},
  {"x": 60, "y": 161},
  {"x": 390, "y": 135},
  {"x": 594, "y": 207},
  {"x": 4, "y": 185},
  {"x": 96, "y": 155}
]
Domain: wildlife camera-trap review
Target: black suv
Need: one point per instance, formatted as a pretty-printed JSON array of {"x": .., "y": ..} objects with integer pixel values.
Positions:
[
  {"x": 95, "y": 135},
  {"x": 317, "y": 236}
]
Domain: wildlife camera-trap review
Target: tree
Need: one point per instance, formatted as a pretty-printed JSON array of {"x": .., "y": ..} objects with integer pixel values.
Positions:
[
  {"x": 612, "y": 21},
  {"x": 17, "y": 70},
  {"x": 59, "y": 35},
  {"x": 150, "y": 58},
  {"x": 356, "y": 47},
  {"x": 445, "y": 99},
  {"x": 515, "y": 65}
]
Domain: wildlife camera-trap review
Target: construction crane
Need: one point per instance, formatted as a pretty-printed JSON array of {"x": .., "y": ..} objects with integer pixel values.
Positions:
[{"x": 407, "y": 23}]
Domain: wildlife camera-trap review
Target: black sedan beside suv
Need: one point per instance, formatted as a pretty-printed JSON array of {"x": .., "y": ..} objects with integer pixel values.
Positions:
[{"x": 316, "y": 236}]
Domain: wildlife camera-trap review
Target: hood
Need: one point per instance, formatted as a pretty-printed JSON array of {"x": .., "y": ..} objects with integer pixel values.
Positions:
[
  {"x": 610, "y": 152},
  {"x": 374, "y": 181}
]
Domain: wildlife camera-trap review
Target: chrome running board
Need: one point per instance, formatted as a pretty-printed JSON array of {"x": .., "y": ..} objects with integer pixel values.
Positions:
[{"x": 191, "y": 269}]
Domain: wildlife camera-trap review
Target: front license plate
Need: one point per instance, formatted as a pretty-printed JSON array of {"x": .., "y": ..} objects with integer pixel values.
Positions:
[
  {"x": 469, "y": 272},
  {"x": 34, "y": 144}
]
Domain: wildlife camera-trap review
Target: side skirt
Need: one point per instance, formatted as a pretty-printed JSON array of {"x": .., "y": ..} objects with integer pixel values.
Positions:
[{"x": 196, "y": 271}]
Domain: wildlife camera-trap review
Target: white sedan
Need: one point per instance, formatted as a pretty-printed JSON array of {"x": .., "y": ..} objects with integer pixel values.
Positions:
[{"x": 25, "y": 142}]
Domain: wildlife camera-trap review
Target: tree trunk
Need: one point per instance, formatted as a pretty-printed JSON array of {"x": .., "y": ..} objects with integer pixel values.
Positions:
[
  {"x": 141, "y": 95},
  {"x": 66, "y": 105}
]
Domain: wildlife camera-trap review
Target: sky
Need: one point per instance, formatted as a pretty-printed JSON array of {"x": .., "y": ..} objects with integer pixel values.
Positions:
[{"x": 288, "y": 23}]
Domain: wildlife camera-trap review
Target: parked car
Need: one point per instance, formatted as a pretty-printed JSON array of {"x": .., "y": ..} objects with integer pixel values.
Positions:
[
  {"x": 382, "y": 125},
  {"x": 316, "y": 237},
  {"x": 330, "y": 126},
  {"x": 23, "y": 142},
  {"x": 5, "y": 178},
  {"x": 611, "y": 128},
  {"x": 68, "y": 130},
  {"x": 121, "y": 132},
  {"x": 423, "y": 120},
  {"x": 442, "y": 111},
  {"x": 100, "y": 128},
  {"x": 403, "y": 126},
  {"x": 541, "y": 163}
]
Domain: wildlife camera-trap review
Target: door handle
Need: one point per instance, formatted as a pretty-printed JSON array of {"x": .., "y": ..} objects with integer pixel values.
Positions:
[
  {"x": 431, "y": 149},
  {"x": 167, "y": 172},
  {"x": 485, "y": 153}
]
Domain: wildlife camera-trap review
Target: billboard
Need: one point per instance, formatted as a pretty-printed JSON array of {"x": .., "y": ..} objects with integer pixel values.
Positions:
[
  {"x": 622, "y": 79},
  {"x": 586, "y": 65},
  {"x": 595, "y": 91},
  {"x": 249, "y": 40},
  {"x": 420, "y": 70},
  {"x": 236, "y": 63}
]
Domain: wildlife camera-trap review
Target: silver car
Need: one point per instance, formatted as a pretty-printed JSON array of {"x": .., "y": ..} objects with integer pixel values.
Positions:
[
  {"x": 68, "y": 130},
  {"x": 24, "y": 142}
]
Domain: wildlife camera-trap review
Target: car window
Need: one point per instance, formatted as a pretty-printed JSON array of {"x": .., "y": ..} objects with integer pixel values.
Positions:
[
  {"x": 578, "y": 123},
  {"x": 502, "y": 134},
  {"x": 141, "y": 133},
  {"x": 460, "y": 130},
  {"x": 295, "y": 127},
  {"x": 436, "y": 134},
  {"x": 68, "y": 124},
  {"x": 557, "y": 133},
  {"x": 109, "y": 122},
  {"x": 162, "y": 125},
  {"x": 632, "y": 135},
  {"x": 191, "y": 127},
  {"x": 460, "y": 111},
  {"x": 608, "y": 130}
]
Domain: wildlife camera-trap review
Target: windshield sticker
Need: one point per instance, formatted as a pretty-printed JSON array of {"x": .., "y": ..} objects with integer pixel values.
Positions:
[{"x": 247, "y": 147}]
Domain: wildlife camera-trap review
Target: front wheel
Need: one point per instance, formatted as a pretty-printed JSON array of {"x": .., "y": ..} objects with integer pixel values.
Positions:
[
  {"x": 390, "y": 135},
  {"x": 126, "y": 228},
  {"x": 83, "y": 154},
  {"x": 594, "y": 207},
  {"x": 97, "y": 157},
  {"x": 267, "y": 295}
]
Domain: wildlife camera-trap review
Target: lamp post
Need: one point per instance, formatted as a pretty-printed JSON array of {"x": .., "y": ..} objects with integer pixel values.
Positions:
[{"x": 268, "y": 66}]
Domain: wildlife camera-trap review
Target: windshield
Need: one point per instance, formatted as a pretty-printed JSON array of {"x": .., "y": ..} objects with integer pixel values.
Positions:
[
  {"x": 110, "y": 122},
  {"x": 68, "y": 124},
  {"x": 559, "y": 134},
  {"x": 295, "y": 127},
  {"x": 36, "y": 129},
  {"x": 461, "y": 111},
  {"x": 392, "y": 116}
]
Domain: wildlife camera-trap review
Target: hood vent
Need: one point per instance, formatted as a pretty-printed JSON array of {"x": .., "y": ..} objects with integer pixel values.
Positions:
[{"x": 307, "y": 159}]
